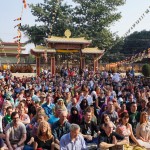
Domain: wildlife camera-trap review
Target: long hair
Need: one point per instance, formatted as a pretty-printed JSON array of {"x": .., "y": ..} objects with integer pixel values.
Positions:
[
  {"x": 75, "y": 118},
  {"x": 82, "y": 106},
  {"x": 48, "y": 132},
  {"x": 102, "y": 109},
  {"x": 141, "y": 116},
  {"x": 40, "y": 110},
  {"x": 124, "y": 114}
]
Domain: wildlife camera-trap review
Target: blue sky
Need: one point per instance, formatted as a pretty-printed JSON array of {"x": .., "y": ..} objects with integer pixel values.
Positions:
[{"x": 11, "y": 9}]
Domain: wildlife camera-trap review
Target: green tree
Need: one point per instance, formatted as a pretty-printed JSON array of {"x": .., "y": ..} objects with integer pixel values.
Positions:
[
  {"x": 54, "y": 16},
  {"x": 136, "y": 42},
  {"x": 35, "y": 34},
  {"x": 94, "y": 17},
  {"x": 146, "y": 70},
  {"x": 88, "y": 18}
]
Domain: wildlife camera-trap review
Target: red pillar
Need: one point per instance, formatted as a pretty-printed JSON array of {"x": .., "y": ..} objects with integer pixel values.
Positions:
[
  {"x": 53, "y": 71},
  {"x": 38, "y": 65},
  {"x": 95, "y": 64},
  {"x": 82, "y": 62}
]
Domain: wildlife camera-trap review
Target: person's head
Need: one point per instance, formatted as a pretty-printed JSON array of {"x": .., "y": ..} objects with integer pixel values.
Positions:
[
  {"x": 105, "y": 118},
  {"x": 44, "y": 129},
  {"x": 85, "y": 91},
  {"x": 88, "y": 116},
  {"x": 124, "y": 118},
  {"x": 68, "y": 94},
  {"x": 74, "y": 131},
  {"x": 143, "y": 117},
  {"x": 48, "y": 99},
  {"x": 4, "y": 109},
  {"x": 110, "y": 106},
  {"x": 131, "y": 98},
  {"x": 143, "y": 103},
  {"x": 28, "y": 99},
  {"x": 21, "y": 110},
  {"x": 123, "y": 106},
  {"x": 39, "y": 110},
  {"x": 74, "y": 111},
  {"x": 41, "y": 117},
  {"x": 97, "y": 89},
  {"x": 90, "y": 109},
  {"x": 108, "y": 128},
  {"x": 103, "y": 108},
  {"x": 15, "y": 117},
  {"x": 74, "y": 100},
  {"x": 60, "y": 102},
  {"x": 133, "y": 107},
  {"x": 9, "y": 110},
  {"x": 63, "y": 116},
  {"x": 84, "y": 104},
  {"x": 42, "y": 96},
  {"x": 21, "y": 104}
]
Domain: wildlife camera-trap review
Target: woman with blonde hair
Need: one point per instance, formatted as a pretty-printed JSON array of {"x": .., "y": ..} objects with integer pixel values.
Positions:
[
  {"x": 40, "y": 110},
  {"x": 44, "y": 138},
  {"x": 67, "y": 98},
  {"x": 60, "y": 104},
  {"x": 24, "y": 117},
  {"x": 143, "y": 130}
]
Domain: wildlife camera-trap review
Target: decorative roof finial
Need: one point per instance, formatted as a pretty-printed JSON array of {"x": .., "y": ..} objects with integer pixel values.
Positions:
[{"x": 67, "y": 33}]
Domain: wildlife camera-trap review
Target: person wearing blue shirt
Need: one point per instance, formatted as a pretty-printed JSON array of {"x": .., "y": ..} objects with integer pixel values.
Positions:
[
  {"x": 54, "y": 118},
  {"x": 73, "y": 140},
  {"x": 48, "y": 106}
]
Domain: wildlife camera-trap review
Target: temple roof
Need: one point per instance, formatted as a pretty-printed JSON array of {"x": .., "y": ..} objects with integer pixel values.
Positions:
[
  {"x": 42, "y": 49},
  {"x": 94, "y": 50},
  {"x": 11, "y": 46},
  {"x": 54, "y": 39}
]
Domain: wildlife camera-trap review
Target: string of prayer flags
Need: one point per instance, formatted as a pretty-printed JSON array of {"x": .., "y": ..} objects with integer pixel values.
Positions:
[
  {"x": 18, "y": 37},
  {"x": 24, "y": 3},
  {"x": 17, "y": 19},
  {"x": 18, "y": 25}
]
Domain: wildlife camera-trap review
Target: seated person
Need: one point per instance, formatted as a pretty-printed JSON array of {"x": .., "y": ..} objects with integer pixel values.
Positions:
[
  {"x": 15, "y": 133},
  {"x": 109, "y": 139},
  {"x": 55, "y": 117},
  {"x": 143, "y": 130},
  {"x": 7, "y": 117},
  {"x": 89, "y": 129},
  {"x": 75, "y": 116},
  {"x": 32, "y": 131},
  {"x": 73, "y": 136},
  {"x": 60, "y": 127},
  {"x": 44, "y": 138},
  {"x": 124, "y": 128},
  {"x": 106, "y": 119},
  {"x": 24, "y": 118}
]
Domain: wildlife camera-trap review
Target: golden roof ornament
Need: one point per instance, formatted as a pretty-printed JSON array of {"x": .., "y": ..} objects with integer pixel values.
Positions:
[{"x": 67, "y": 33}]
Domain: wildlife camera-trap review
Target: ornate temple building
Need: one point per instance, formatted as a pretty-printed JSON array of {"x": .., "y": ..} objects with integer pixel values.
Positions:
[
  {"x": 67, "y": 51},
  {"x": 8, "y": 53}
]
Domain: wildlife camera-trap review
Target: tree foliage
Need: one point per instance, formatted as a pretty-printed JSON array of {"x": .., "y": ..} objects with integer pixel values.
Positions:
[
  {"x": 146, "y": 70},
  {"x": 55, "y": 18},
  {"x": 88, "y": 18},
  {"x": 133, "y": 44},
  {"x": 94, "y": 18},
  {"x": 136, "y": 42}
]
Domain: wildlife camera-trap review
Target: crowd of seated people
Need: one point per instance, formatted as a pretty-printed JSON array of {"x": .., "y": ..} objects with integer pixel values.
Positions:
[{"x": 87, "y": 111}]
